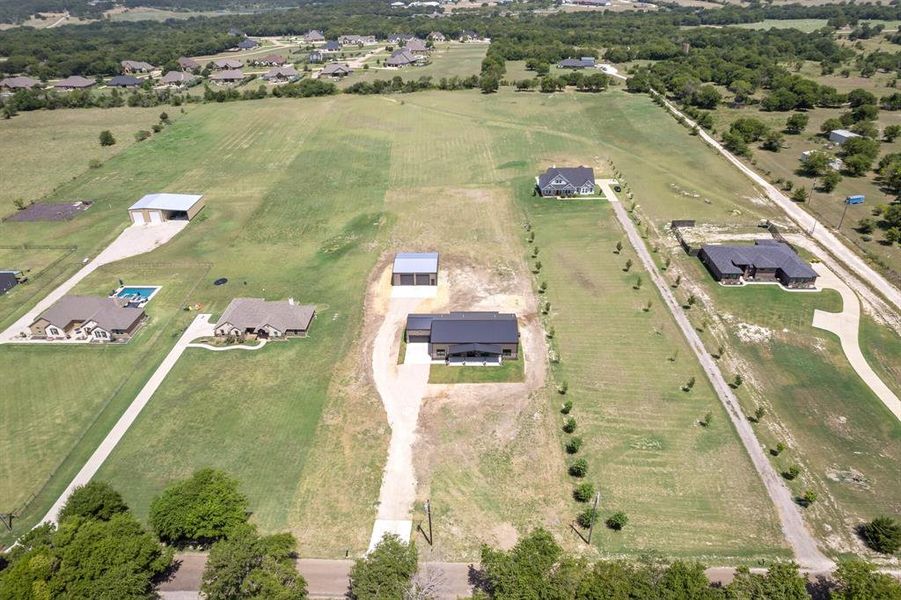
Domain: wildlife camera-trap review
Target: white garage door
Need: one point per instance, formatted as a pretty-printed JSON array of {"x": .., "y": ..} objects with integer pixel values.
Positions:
[
  {"x": 137, "y": 217},
  {"x": 156, "y": 216}
]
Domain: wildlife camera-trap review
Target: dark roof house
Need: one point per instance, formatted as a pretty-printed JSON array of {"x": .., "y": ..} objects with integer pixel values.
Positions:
[
  {"x": 125, "y": 81},
  {"x": 8, "y": 280},
  {"x": 458, "y": 336},
  {"x": 566, "y": 181},
  {"x": 767, "y": 260},
  {"x": 247, "y": 44},
  {"x": 586, "y": 62},
  {"x": 331, "y": 46}
]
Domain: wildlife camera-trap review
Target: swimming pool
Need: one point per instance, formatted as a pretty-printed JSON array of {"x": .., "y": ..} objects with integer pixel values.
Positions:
[{"x": 137, "y": 295}]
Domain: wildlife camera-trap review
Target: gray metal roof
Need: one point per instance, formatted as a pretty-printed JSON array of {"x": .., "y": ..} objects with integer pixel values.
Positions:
[
  {"x": 764, "y": 254},
  {"x": 575, "y": 176},
  {"x": 416, "y": 262},
  {"x": 467, "y": 327},
  {"x": 8, "y": 281},
  {"x": 167, "y": 201}
]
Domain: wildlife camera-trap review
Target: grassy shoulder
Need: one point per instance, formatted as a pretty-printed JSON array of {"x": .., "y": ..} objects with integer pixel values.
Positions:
[{"x": 509, "y": 371}]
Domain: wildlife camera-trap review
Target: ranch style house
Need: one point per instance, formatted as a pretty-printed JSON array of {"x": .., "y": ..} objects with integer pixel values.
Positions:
[
  {"x": 766, "y": 260},
  {"x": 88, "y": 318},
  {"x": 466, "y": 336},
  {"x": 565, "y": 182},
  {"x": 264, "y": 319}
]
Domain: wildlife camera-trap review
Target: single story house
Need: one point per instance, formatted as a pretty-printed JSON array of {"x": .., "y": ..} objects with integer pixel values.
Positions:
[
  {"x": 228, "y": 76},
  {"x": 313, "y": 36},
  {"x": 331, "y": 46},
  {"x": 840, "y": 136},
  {"x": 401, "y": 58},
  {"x": 458, "y": 336},
  {"x": 586, "y": 62},
  {"x": 337, "y": 70},
  {"x": 316, "y": 56},
  {"x": 8, "y": 280},
  {"x": 566, "y": 181},
  {"x": 177, "y": 78},
  {"x": 156, "y": 208},
  {"x": 125, "y": 81},
  {"x": 437, "y": 36},
  {"x": 397, "y": 38},
  {"x": 259, "y": 318},
  {"x": 470, "y": 36},
  {"x": 272, "y": 60},
  {"x": 18, "y": 83},
  {"x": 766, "y": 260},
  {"x": 88, "y": 318},
  {"x": 415, "y": 268},
  {"x": 75, "y": 82},
  {"x": 416, "y": 46},
  {"x": 281, "y": 74},
  {"x": 356, "y": 40},
  {"x": 187, "y": 64},
  {"x": 247, "y": 44},
  {"x": 227, "y": 64},
  {"x": 590, "y": 2},
  {"x": 136, "y": 66}
]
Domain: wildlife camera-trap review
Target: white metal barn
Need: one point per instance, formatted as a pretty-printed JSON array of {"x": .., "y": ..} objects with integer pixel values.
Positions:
[{"x": 156, "y": 208}]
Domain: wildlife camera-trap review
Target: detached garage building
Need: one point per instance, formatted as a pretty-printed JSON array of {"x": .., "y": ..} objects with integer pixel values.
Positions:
[
  {"x": 415, "y": 268},
  {"x": 156, "y": 208}
]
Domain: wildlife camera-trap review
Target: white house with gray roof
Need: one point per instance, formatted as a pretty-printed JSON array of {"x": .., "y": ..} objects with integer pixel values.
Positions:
[
  {"x": 566, "y": 181},
  {"x": 259, "y": 318}
]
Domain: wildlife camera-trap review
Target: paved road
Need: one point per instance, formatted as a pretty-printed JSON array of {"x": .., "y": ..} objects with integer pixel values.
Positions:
[
  {"x": 799, "y": 538},
  {"x": 804, "y": 219},
  {"x": 401, "y": 388},
  {"x": 846, "y": 326},
  {"x": 135, "y": 240},
  {"x": 199, "y": 327}
]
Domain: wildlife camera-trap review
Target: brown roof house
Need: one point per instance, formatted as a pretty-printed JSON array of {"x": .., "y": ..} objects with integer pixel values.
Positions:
[
  {"x": 272, "y": 60},
  {"x": 19, "y": 83},
  {"x": 336, "y": 70},
  {"x": 136, "y": 66},
  {"x": 281, "y": 74},
  {"x": 187, "y": 63},
  {"x": 401, "y": 58},
  {"x": 227, "y": 63},
  {"x": 228, "y": 77},
  {"x": 89, "y": 318},
  {"x": 437, "y": 36},
  {"x": 177, "y": 78},
  {"x": 416, "y": 46},
  {"x": 75, "y": 82},
  {"x": 259, "y": 318},
  {"x": 313, "y": 36}
]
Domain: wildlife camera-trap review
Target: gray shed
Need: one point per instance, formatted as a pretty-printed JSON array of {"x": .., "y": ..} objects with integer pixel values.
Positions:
[{"x": 415, "y": 268}]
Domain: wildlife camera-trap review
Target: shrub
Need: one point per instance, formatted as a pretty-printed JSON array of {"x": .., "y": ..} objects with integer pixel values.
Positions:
[
  {"x": 792, "y": 472},
  {"x": 94, "y": 500},
  {"x": 570, "y": 425},
  {"x": 142, "y": 135},
  {"x": 579, "y": 468},
  {"x": 562, "y": 388},
  {"x": 157, "y": 128},
  {"x": 707, "y": 420},
  {"x": 779, "y": 449},
  {"x": 689, "y": 384},
  {"x": 882, "y": 534},
  {"x": 106, "y": 138},
  {"x": 573, "y": 445},
  {"x": 567, "y": 407},
  {"x": 617, "y": 521},
  {"x": 809, "y": 498},
  {"x": 94, "y": 163},
  {"x": 587, "y": 517},
  {"x": 583, "y": 492}
]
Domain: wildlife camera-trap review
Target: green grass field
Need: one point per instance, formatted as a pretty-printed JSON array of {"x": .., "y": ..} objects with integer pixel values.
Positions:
[
  {"x": 511, "y": 371},
  {"x": 299, "y": 422},
  {"x": 448, "y": 60}
]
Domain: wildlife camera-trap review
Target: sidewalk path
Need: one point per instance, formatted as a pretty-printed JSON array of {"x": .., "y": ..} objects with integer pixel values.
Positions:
[
  {"x": 401, "y": 388},
  {"x": 796, "y": 533},
  {"x": 846, "y": 325},
  {"x": 805, "y": 220},
  {"x": 199, "y": 327},
  {"x": 135, "y": 240}
]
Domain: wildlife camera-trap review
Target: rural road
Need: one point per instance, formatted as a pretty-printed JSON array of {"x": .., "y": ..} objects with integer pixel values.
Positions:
[
  {"x": 796, "y": 533},
  {"x": 802, "y": 218},
  {"x": 135, "y": 240},
  {"x": 199, "y": 327},
  {"x": 401, "y": 388},
  {"x": 846, "y": 325}
]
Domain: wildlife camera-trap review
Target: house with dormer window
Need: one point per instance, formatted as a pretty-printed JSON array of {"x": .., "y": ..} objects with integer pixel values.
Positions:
[{"x": 566, "y": 182}]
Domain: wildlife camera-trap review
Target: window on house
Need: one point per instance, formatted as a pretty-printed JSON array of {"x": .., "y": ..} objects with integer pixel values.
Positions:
[{"x": 508, "y": 352}]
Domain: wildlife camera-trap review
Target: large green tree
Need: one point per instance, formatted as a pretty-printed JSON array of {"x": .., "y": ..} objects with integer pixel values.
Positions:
[
  {"x": 386, "y": 572},
  {"x": 858, "y": 580},
  {"x": 782, "y": 581},
  {"x": 94, "y": 500}
]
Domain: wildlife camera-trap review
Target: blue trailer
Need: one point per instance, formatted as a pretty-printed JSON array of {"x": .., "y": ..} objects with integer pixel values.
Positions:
[{"x": 858, "y": 199}]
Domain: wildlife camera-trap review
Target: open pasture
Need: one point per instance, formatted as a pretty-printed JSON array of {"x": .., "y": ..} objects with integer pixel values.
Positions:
[{"x": 448, "y": 60}]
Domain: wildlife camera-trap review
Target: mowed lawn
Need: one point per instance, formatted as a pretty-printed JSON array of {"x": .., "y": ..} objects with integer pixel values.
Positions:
[
  {"x": 846, "y": 442},
  {"x": 448, "y": 60}
]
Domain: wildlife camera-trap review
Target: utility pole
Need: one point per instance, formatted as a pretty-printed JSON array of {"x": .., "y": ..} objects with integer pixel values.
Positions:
[
  {"x": 7, "y": 520},
  {"x": 594, "y": 515},
  {"x": 840, "y": 221},
  {"x": 428, "y": 510}
]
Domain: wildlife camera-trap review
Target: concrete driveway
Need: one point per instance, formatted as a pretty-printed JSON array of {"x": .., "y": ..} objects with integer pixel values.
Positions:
[
  {"x": 846, "y": 326},
  {"x": 401, "y": 388},
  {"x": 199, "y": 327},
  {"x": 135, "y": 240}
]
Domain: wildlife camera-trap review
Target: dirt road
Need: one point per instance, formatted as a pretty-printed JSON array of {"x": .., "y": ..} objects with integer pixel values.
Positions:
[
  {"x": 804, "y": 220},
  {"x": 796, "y": 533}
]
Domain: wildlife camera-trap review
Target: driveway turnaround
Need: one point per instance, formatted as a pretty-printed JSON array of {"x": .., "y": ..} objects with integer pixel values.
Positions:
[
  {"x": 401, "y": 388},
  {"x": 135, "y": 240},
  {"x": 846, "y": 325},
  {"x": 796, "y": 533},
  {"x": 808, "y": 223},
  {"x": 199, "y": 327}
]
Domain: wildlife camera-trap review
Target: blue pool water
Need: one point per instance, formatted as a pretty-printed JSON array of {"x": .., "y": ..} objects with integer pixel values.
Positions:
[{"x": 137, "y": 294}]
